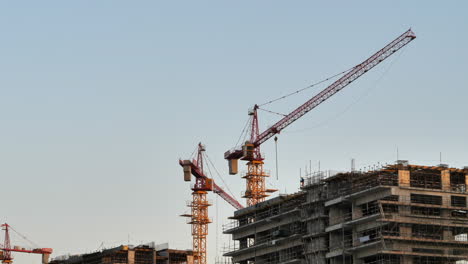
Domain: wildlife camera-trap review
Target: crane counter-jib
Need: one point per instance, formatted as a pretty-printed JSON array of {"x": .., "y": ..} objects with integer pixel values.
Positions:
[{"x": 190, "y": 168}]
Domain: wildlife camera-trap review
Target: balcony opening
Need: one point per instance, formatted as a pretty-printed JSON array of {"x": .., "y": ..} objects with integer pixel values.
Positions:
[
  {"x": 458, "y": 201},
  {"x": 458, "y": 182},
  {"x": 427, "y": 211},
  {"x": 427, "y": 180},
  {"x": 427, "y": 231},
  {"x": 426, "y": 199},
  {"x": 369, "y": 208}
]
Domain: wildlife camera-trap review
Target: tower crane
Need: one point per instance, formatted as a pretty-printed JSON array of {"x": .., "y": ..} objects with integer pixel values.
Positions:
[
  {"x": 6, "y": 249},
  {"x": 250, "y": 151},
  {"x": 199, "y": 205}
]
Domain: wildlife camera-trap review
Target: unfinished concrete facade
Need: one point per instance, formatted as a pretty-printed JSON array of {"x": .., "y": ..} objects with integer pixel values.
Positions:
[
  {"x": 143, "y": 254},
  {"x": 268, "y": 232},
  {"x": 397, "y": 214}
]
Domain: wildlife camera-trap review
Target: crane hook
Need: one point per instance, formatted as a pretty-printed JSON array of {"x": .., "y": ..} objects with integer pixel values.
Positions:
[{"x": 276, "y": 151}]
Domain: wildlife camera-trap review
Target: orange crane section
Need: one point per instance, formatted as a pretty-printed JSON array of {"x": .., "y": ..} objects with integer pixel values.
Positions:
[
  {"x": 198, "y": 218},
  {"x": 250, "y": 151},
  {"x": 6, "y": 249}
]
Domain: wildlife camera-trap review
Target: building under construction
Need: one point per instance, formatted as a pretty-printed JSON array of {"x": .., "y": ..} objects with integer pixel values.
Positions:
[
  {"x": 143, "y": 254},
  {"x": 396, "y": 214}
]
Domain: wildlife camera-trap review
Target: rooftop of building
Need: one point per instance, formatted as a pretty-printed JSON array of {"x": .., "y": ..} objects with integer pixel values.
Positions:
[{"x": 122, "y": 248}]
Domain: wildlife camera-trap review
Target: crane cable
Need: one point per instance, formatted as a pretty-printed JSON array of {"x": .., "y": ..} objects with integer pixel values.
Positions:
[
  {"x": 244, "y": 132},
  {"x": 193, "y": 155},
  {"x": 271, "y": 112},
  {"x": 24, "y": 237},
  {"x": 219, "y": 175},
  {"x": 285, "y": 96},
  {"x": 276, "y": 152},
  {"x": 307, "y": 87},
  {"x": 366, "y": 92}
]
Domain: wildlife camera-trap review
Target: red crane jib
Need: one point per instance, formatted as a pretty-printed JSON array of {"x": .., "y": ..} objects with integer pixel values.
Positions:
[
  {"x": 33, "y": 251},
  {"x": 216, "y": 189},
  {"x": 328, "y": 92}
]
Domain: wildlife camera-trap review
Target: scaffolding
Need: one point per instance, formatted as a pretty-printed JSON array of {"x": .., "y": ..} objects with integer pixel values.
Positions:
[
  {"x": 199, "y": 220},
  {"x": 392, "y": 214}
]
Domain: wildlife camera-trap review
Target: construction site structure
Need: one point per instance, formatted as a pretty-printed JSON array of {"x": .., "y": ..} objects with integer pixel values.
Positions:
[
  {"x": 395, "y": 214},
  {"x": 128, "y": 254},
  {"x": 255, "y": 177},
  {"x": 198, "y": 218},
  {"x": 6, "y": 249}
]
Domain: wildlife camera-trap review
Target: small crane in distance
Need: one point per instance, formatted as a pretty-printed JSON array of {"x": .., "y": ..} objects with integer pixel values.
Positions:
[{"x": 6, "y": 249}]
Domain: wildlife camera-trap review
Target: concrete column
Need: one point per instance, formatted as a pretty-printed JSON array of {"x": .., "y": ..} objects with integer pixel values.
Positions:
[
  {"x": 131, "y": 256},
  {"x": 282, "y": 256},
  {"x": 446, "y": 201},
  {"x": 357, "y": 211},
  {"x": 446, "y": 213},
  {"x": 404, "y": 178},
  {"x": 335, "y": 215},
  {"x": 404, "y": 210},
  {"x": 357, "y": 260},
  {"x": 445, "y": 177},
  {"x": 45, "y": 258},
  {"x": 448, "y": 234},
  {"x": 189, "y": 259},
  {"x": 355, "y": 238},
  {"x": 405, "y": 231},
  {"x": 408, "y": 259}
]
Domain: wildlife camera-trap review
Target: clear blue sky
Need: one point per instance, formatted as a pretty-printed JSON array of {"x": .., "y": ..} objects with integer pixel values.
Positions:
[{"x": 100, "y": 98}]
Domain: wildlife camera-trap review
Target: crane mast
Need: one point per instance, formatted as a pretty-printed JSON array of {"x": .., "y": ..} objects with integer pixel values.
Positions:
[
  {"x": 250, "y": 151},
  {"x": 6, "y": 258},
  {"x": 198, "y": 218},
  {"x": 6, "y": 249}
]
